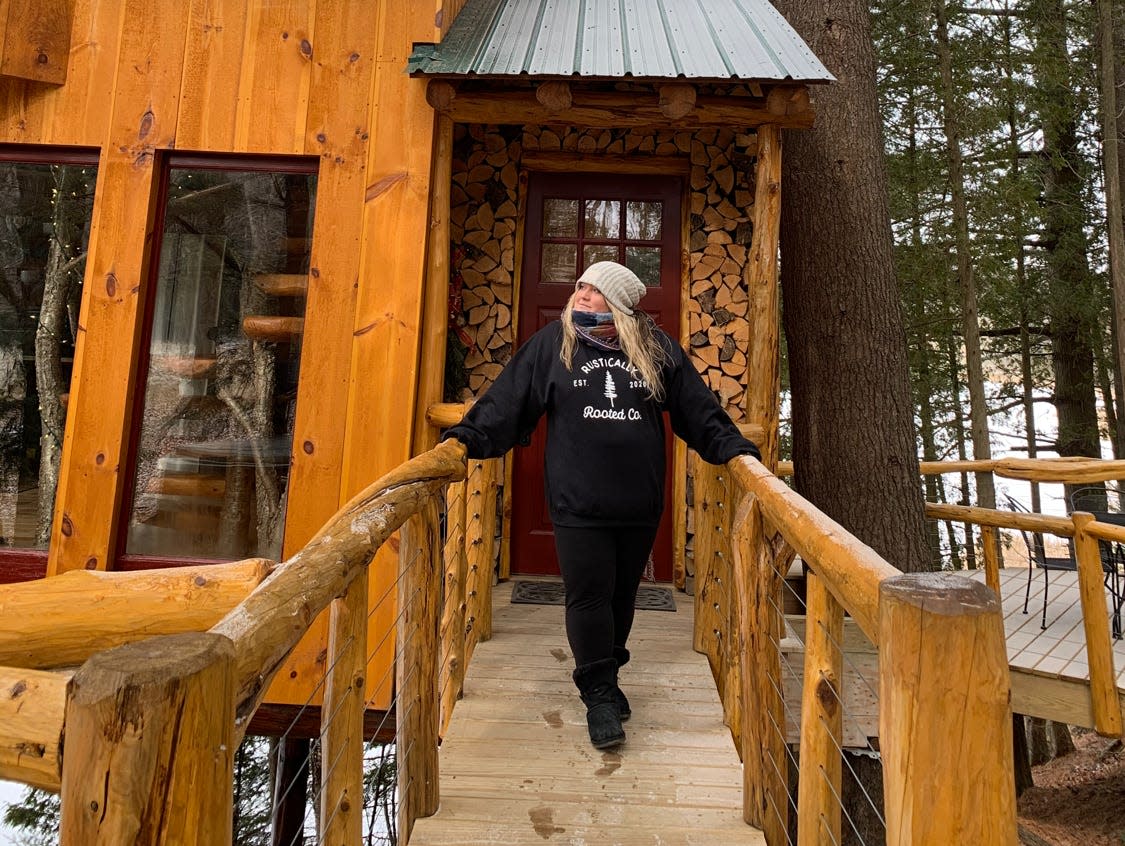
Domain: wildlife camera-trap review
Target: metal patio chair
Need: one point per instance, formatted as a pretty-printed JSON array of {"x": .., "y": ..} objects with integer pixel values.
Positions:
[{"x": 1037, "y": 557}]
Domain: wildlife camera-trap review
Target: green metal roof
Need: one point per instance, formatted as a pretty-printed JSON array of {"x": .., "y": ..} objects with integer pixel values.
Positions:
[{"x": 643, "y": 39}]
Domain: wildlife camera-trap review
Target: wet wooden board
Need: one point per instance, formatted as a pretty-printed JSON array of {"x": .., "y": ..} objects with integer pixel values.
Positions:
[{"x": 517, "y": 765}]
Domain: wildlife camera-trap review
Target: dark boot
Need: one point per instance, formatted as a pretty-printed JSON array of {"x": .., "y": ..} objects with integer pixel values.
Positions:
[
  {"x": 621, "y": 657},
  {"x": 595, "y": 685}
]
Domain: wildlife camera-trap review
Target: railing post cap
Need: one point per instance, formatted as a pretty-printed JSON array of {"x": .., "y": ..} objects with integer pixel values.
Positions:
[{"x": 946, "y": 593}]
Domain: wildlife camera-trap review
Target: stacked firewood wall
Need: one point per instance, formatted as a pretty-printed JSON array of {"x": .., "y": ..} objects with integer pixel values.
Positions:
[
  {"x": 484, "y": 213},
  {"x": 484, "y": 204}
]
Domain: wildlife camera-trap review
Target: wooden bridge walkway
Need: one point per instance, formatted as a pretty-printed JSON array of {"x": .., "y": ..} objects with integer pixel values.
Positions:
[{"x": 517, "y": 766}]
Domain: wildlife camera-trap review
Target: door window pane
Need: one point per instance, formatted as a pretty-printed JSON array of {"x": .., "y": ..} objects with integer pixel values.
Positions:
[
  {"x": 45, "y": 214},
  {"x": 642, "y": 221},
  {"x": 599, "y": 252},
  {"x": 560, "y": 218},
  {"x": 603, "y": 219},
  {"x": 211, "y": 468},
  {"x": 559, "y": 262},
  {"x": 645, "y": 262}
]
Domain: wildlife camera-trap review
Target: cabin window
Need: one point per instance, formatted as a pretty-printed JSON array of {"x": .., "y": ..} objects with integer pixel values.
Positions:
[
  {"x": 46, "y": 201},
  {"x": 211, "y": 447}
]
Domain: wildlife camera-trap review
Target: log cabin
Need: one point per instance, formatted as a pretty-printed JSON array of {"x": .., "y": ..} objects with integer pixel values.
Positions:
[{"x": 254, "y": 255}]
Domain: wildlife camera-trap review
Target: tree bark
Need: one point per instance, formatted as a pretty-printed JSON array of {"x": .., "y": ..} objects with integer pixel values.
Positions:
[
  {"x": 57, "y": 284},
  {"x": 853, "y": 417},
  {"x": 1115, "y": 226},
  {"x": 1070, "y": 284},
  {"x": 855, "y": 452},
  {"x": 970, "y": 320}
]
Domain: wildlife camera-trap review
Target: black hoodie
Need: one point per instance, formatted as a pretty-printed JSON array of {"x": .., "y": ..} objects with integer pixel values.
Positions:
[{"x": 605, "y": 437}]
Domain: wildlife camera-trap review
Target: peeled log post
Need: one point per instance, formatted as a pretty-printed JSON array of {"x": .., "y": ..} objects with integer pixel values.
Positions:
[
  {"x": 416, "y": 712},
  {"x": 489, "y": 511},
  {"x": 943, "y": 672},
  {"x": 1095, "y": 621},
  {"x": 761, "y": 279},
  {"x": 150, "y": 744},
  {"x": 452, "y": 673},
  {"x": 765, "y": 763},
  {"x": 822, "y": 718},
  {"x": 707, "y": 487},
  {"x": 990, "y": 544},
  {"x": 32, "y": 710},
  {"x": 62, "y": 621},
  {"x": 341, "y": 728}
]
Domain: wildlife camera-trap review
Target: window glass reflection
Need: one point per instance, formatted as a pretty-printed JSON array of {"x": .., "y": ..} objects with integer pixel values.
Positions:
[
  {"x": 45, "y": 212},
  {"x": 603, "y": 218},
  {"x": 211, "y": 470},
  {"x": 645, "y": 262},
  {"x": 642, "y": 220},
  {"x": 558, "y": 263},
  {"x": 560, "y": 218},
  {"x": 599, "y": 252}
]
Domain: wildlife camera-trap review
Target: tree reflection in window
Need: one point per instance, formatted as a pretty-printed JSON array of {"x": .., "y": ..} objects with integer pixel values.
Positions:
[
  {"x": 45, "y": 210},
  {"x": 212, "y": 460}
]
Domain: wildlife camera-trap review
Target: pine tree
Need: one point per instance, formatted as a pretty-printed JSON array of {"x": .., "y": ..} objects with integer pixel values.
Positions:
[{"x": 610, "y": 389}]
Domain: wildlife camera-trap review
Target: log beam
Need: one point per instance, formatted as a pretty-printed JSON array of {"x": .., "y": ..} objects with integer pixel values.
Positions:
[
  {"x": 555, "y": 96},
  {"x": 62, "y": 621},
  {"x": 622, "y": 110}
]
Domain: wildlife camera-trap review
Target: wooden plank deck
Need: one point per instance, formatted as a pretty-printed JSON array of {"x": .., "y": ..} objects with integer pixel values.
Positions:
[
  {"x": 1050, "y": 677},
  {"x": 517, "y": 766},
  {"x": 1049, "y": 674}
]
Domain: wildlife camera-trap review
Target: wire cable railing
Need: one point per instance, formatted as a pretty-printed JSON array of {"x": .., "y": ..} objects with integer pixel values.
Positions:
[{"x": 860, "y": 631}]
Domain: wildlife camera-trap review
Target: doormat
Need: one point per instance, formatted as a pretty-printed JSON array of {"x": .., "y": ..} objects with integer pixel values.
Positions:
[{"x": 551, "y": 593}]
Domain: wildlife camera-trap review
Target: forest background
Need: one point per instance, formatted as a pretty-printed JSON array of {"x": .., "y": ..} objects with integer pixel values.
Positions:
[
  {"x": 1002, "y": 123},
  {"x": 1001, "y": 128}
]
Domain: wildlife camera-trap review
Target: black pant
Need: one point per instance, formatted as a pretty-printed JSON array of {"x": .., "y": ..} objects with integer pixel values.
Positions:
[{"x": 601, "y": 570}]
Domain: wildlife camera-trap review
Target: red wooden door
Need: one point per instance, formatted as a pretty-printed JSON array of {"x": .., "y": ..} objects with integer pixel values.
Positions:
[{"x": 574, "y": 220}]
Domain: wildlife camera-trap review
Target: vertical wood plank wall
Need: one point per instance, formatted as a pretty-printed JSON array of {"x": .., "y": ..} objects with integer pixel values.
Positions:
[{"x": 244, "y": 76}]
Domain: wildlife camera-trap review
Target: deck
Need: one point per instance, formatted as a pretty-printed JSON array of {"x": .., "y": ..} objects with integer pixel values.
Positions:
[
  {"x": 1050, "y": 677},
  {"x": 517, "y": 766}
]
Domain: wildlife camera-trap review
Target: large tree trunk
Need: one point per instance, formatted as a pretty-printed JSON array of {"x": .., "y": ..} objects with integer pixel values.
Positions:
[
  {"x": 854, "y": 452},
  {"x": 1073, "y": 327},
  {"x": 853, "y": 420},
  {"x": 970, "y": 321},
  {"x": 1114, "y": 222}
]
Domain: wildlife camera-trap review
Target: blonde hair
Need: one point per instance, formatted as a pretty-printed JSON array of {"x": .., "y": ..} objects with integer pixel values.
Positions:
[{"x": 639, "y": 341}]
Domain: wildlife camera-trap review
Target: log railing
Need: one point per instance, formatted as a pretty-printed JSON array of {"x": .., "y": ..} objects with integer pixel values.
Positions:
[
  {"x": 1086, "y": 532},
  {"x": 934, "y": 725},
  {"x": 151, "y": 724}
]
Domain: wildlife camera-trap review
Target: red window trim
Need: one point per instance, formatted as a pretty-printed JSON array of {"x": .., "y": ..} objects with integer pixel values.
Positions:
[{"x": 166, "y": 161}]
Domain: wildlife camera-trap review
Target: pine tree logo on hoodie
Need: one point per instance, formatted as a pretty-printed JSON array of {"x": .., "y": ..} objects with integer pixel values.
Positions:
[{"x": 610, "y": 389}]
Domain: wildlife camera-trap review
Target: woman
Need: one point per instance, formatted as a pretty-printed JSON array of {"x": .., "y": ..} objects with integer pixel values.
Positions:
[{"x": 602, "y": 374}]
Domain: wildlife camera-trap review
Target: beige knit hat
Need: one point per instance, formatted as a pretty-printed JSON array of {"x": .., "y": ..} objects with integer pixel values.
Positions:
[{"x": 617, "y": 283}]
